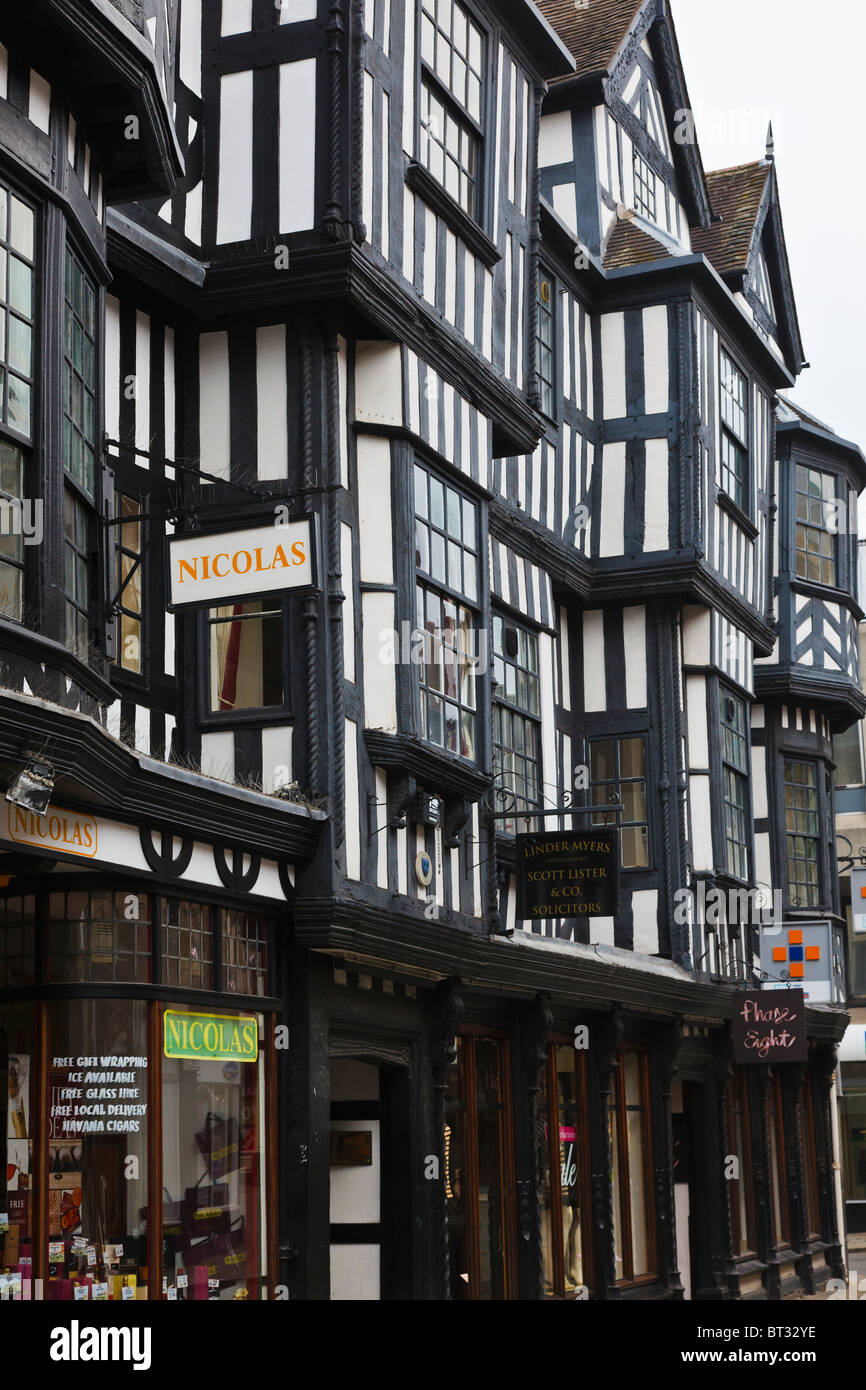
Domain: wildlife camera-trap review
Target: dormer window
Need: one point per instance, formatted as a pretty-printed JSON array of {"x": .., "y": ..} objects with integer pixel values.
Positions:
[
  {"x": 644, "y": 188},
  {"x": 452, "y": 83},
  {"x": 760, "y": 285},
  {"x": 815, "y": 538}
]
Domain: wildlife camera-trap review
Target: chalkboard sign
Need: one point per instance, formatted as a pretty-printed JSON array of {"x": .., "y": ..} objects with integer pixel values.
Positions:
[
  {"x": 566, "y": 873},
  {"x": 770, "y": 1026}
]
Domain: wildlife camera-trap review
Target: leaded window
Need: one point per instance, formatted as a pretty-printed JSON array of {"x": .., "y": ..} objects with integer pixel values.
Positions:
[
  {"x": 452, "y": 84},
  {"x": 17, "y": 278},
  {"x": 447, "y": 578},
  {"x": 77, "y": 575},
  {"x": 735, "y": 782},
  {"x": 734, "y": 399},
  {"x": 644, "y": 187},
  {"x": 79, "y": 405},
  {"x": 802, "y": 832},
  {"x": 618, "y": 774},
  {"x": 247, "y": 657},
  {"x": 516, "y": 715},
  {"x": 546, "y": 341},
  {"x": 128, "y": 580},
  {"x": 12, "y": 519},
  {"x": 815, "y": 538}
]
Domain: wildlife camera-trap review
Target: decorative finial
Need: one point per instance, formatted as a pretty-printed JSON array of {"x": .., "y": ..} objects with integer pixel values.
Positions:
[{"x": 771, "y": 144}]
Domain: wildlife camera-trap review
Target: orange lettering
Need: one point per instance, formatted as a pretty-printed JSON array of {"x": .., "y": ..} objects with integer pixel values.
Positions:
[
  {"x": 191, "y": 569},
  {"x": 298, "y": 550},
  {"x": 221, "y": 556},
  {"x": 280, "y": 554},
  {"x": 239, "y": 555}
]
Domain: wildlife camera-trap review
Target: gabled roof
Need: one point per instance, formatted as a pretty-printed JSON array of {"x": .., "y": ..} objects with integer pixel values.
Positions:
[
  {"x": 628, "y": 245},
  {"x": 593, "y": 35},
  {"x": 745, "y": 199},
  {"x": 736, "y": 196}
]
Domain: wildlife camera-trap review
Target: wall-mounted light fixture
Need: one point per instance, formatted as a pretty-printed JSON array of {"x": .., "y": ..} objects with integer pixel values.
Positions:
[{"x": 33, "y": 787}]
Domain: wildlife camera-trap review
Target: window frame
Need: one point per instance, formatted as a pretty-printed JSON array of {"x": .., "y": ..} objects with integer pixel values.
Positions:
[
  {"x": 476, "y": 129},
  {"x": 641, "y": 182},
  {"x": 628, "y": 1279},
  {"x": 264, "y": 715},
  {"x": 468, "y": 1036},
  {"x": 25, "y": 441},
  {"x": 422, "y": 578},
  {"x": 548, "y": 388},
  {"x": 790, "y": 758},
  {"x": 618, "y": 823},
  {"x": 118, "y": 589},
  {"x": 583, "y": 1160},
  {"x": 811, "y": 527},
  {"x": 777, "y": 1177},
  {"x": 74, "y": 496},
  {"x": 509, "y": 827},
  {"x": 72, "y": 254},
  {"x": 726, "y": 691},
  {"x": 737, "y": 1101},
  {"x": 728, "y": 432}
]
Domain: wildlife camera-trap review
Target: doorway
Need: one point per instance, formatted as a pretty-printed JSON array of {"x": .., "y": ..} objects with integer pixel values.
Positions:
[{"x": 370, "y": 1216}]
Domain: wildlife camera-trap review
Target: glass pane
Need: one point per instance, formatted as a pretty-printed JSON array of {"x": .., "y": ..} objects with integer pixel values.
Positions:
[
  {"x": 21, "y": 227},
  {"x": 20, "y": 286},
  {"x": 246, "y": 657},
  {"x": 96, "y": 1213},
  {"x": 18, "y": 1089},
  {"x": 19, "y": 345},
  {"x": 491, "y": 1179},
  {"x": 214, "y": 1155}
]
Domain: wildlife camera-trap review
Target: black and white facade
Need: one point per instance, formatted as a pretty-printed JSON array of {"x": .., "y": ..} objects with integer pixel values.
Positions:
[{"x": 446, "y": 281}]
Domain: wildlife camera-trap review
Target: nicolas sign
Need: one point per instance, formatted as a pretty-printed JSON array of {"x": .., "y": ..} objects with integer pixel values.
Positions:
[
  {"x": 213, "y": 568},
  {"x": 770, "y": 1026}
]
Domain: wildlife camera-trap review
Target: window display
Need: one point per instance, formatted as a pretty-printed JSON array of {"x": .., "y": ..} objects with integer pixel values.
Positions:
[
  {"x": 97, "y": 1148},
  {"x": 213, "y": 1156},
  {"x": 17, "y": 1047},
  {"x": 124, "y": 1115}
]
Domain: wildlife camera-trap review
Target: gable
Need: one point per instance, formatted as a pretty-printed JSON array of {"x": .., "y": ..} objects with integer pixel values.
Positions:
[{"x": 641, "y": 96}]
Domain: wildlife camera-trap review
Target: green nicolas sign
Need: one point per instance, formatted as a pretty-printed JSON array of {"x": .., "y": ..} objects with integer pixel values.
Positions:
[{"x": 213, "y": 1037}]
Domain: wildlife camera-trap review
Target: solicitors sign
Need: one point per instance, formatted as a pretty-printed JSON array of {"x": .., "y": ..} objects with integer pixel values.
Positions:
[
  {"x": 566, "y": 874},
  {"x": 210, "y": 568},
  {"x": 769, "y": 1026}
]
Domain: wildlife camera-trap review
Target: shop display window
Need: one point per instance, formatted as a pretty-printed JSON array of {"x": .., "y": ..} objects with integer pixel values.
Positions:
[
  {"x": 479, "y": 1181},
  {"x": 633, "y": 1209},
  {"x": 98, "y": 1117},
  {"x": 213, "y": 1154},
  {"x": 137, "y": 1128},
  {"x": 563, "y": 1170},
  {"x": 17, "y": 1072}
]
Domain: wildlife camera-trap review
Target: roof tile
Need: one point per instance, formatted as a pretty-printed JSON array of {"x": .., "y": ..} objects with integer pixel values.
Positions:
[
  {"x": 593, "y": 35},
  {"x": 736, "y": 194}
]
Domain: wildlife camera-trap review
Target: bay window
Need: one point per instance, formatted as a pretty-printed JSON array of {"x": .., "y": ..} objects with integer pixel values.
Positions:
[
  {"x": 516, "y": 716},
  {"x": 633, "y": 1206},
  {"x": 736, "y": 803},
  {"x": 447, "y": 593},
  {"x": 137, "y": 1128},
  {"x": 734, "y": 403},
  {"x": 815, "y": 525},
  {"x": 802, "y": 835},
  {"x": 451, "y": 97},
  {"x": 618, "y": 773}
]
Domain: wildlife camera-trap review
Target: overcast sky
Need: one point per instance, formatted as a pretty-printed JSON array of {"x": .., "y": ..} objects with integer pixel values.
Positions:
[{"x": 800, "y": 64}]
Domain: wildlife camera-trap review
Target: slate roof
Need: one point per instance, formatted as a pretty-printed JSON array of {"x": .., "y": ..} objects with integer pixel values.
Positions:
[
  {"x": 736, "y": 194},
  {"x": 628, "y": 245},
  {"x": 595, "y": 35}
]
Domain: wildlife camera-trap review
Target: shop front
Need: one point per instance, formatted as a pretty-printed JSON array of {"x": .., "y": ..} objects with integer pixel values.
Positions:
[{"x": 137, "y": 1071}]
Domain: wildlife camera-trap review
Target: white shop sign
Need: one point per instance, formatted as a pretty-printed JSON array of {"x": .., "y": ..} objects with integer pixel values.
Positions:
[
  {"x": 212, "y": 568},
  {"x": 116, "y": 844}
]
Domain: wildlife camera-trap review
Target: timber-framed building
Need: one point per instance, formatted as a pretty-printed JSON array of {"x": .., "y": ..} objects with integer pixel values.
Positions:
[{"x": 445, "y": 285}]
